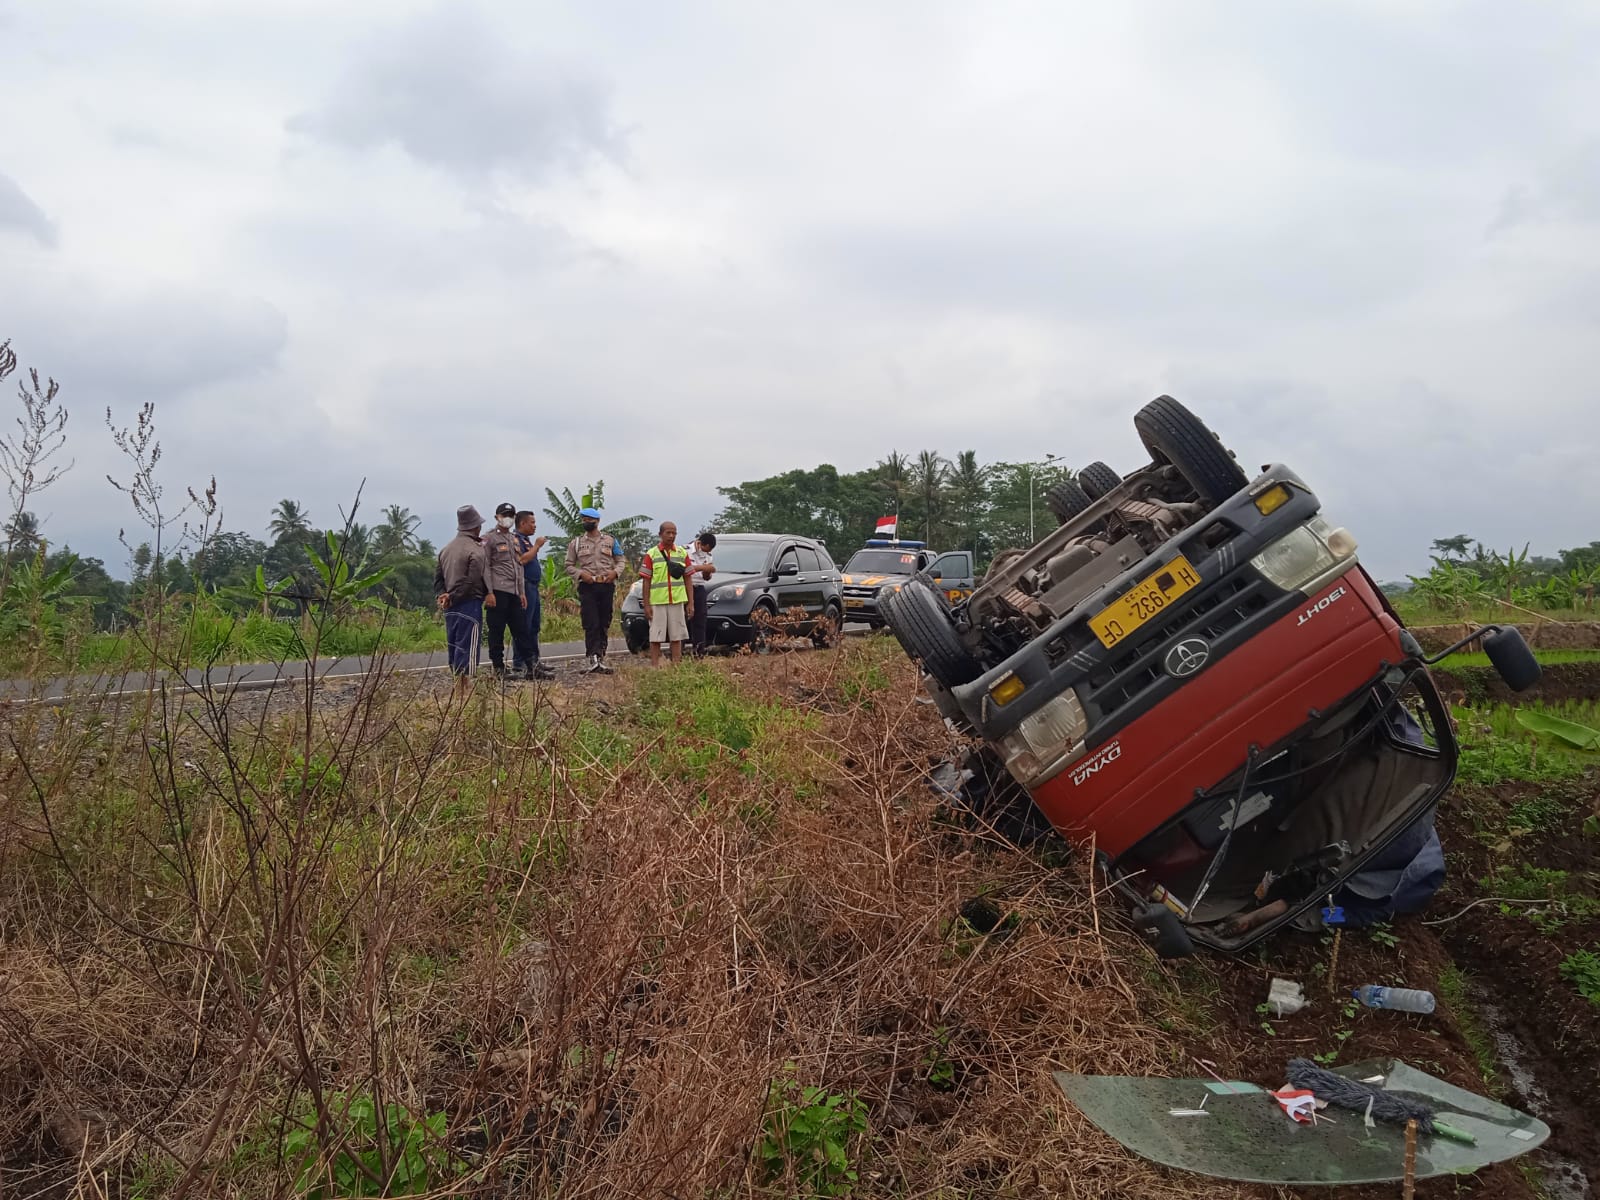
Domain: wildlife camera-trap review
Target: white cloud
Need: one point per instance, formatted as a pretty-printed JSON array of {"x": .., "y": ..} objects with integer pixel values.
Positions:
[
  {"x": 19, "y": 212},
  {"x": 449, "y": 90},
  {"x": 476, "y": 249}
]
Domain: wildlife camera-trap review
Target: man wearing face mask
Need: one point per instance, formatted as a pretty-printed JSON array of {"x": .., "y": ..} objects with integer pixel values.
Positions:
[
  {"x": 507, "y": 604},
  {"x": 594, "y": 560}
]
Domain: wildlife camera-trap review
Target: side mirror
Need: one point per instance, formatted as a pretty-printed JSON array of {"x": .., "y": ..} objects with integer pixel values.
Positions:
[
  {"x": 936, "y": 573},
  {"x": 789, "y": 568},
  {"x": 1512, "y": 659}
]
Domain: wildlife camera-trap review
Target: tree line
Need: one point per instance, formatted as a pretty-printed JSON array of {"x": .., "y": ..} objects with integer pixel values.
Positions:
[
  {"x": 950, "y": 503},
  {"x": 1465, "y": 575}
]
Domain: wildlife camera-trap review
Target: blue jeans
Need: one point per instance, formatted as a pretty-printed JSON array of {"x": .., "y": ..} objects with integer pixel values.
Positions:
[
  {"x": 526, "y": 651},
  {"x": 461, "y": 622}
]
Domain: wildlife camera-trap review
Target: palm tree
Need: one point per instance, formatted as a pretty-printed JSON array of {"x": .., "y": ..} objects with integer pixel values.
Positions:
[
  {"x": 969, "y": 483},
  {"x": 398, "y": 533},
  {"x": 930, "y": 476},
  {"x": 355, "y": 543},
  {"x": 633, "y": 532},
  {"x": 22, "y": 536},
  {"x": 289, "y": 521}
]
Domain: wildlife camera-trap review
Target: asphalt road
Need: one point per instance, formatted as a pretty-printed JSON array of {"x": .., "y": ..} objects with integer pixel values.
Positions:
[
  {"x": 253, "y": 676},
  {"x": 250, "y": 676}
]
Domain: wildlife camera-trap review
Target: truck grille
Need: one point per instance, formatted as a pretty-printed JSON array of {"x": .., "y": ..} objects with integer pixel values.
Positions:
[
  {"x": 861, "y": 593},
  {"x": 1218, "y": 616}
]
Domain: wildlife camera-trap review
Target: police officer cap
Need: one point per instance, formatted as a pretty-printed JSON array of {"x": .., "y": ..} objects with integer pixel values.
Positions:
[
  {"x": 507, "y": 509},
  {"x": 589, "y": 512}
]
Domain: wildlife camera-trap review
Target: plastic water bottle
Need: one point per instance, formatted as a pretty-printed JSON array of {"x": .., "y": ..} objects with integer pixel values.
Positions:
[{"x": 1398, "y": 999}]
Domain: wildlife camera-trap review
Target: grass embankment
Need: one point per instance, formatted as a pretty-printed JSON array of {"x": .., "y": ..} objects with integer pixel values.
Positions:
[{"x": 689, "y": 932}]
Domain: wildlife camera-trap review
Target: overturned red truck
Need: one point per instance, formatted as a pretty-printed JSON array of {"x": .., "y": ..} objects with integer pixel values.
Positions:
[{"x": 1195, "y": 675}]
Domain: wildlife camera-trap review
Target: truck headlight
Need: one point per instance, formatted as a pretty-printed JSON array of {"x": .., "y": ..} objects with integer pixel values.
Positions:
[
  {"x": 1302, "y": 557},
  {"x": 1044, "y": 738}
]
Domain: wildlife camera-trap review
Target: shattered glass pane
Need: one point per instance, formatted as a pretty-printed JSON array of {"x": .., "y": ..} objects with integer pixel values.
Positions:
[{"x": 1238, "y": 1131}]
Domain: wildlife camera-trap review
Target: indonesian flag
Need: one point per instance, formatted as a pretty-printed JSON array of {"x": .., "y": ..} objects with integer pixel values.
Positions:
[{"x": 887, "y": 526}]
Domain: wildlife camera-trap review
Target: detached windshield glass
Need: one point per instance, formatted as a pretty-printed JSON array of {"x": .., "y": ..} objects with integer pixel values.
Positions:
[
  {"x": 739, "y": 558},
  {"x": 881, "y": 562}
]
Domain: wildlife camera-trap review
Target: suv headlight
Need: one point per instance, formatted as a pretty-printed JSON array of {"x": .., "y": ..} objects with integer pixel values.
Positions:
[
  {"x": 1042, "y": 739},
  {"x": 727, "y": 591},
  {"x": 1302, "y": 557}
]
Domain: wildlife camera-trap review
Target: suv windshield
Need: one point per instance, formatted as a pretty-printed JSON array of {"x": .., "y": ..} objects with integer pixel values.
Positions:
[
  {"x": 740, "y": 558},
  {"x": 882, "y": 562}
]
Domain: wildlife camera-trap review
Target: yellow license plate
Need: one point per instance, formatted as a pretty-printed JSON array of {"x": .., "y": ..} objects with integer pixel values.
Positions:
[
  {"x": 1144, "y": 601},
  {"x": 855, "y": 603}
]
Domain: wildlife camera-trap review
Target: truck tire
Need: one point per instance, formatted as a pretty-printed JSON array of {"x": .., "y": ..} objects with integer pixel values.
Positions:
[
  {"x": 918, "y": 620},
  {"x": 1066, "y": 500},
  {"x": 1097, "y": 480},
  {"x": 1175, "y": 435},
  {"x": 638, "y": 637}
]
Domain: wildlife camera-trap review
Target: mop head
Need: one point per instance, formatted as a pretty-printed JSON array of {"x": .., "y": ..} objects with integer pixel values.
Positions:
[{"x": 1355, "y": 1095}]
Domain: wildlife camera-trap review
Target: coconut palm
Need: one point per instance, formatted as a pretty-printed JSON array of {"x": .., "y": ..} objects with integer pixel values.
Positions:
[
  {"x": 969, "y": 485},
  {"x": 929, "y": 476},
  {"x": 290, "y": 522},
  {"x": 398, "y": 532}
]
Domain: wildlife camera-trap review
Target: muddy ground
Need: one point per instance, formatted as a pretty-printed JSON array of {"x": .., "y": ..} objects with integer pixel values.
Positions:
[
  {"x": 1508, "y": 1024},
  {"x": 1543, "y": 635}
]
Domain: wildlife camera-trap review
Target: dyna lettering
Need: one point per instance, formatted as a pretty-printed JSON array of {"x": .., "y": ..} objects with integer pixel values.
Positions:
[
  {"x": 1083, "y": 770},
  {"x": 1320, "y": 605}
]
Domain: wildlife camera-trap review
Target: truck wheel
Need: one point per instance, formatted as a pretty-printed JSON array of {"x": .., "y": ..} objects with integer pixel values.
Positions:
[
  {"x": 918, "y": 620},
  {"x": 1175, "y": 435},
  {"x": 638, "y": 637},
  {"x": 1097, "y": 480},
  {"x": 1066, "y": 500}
]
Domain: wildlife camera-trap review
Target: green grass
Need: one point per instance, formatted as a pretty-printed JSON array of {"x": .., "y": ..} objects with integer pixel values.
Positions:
[
  {"x": 1496, "y": 749},
  {"x": 1549, "y": 658},
  {"x": 1454, "y": 987},
  {"x": 1567, "y": 902},
  {"x": 1582, "y": 969},
  {"x": 1413, "y": 612}
]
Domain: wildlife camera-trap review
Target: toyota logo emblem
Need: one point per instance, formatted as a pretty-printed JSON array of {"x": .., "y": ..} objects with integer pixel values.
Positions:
[{"x": 1187, "y": 657}]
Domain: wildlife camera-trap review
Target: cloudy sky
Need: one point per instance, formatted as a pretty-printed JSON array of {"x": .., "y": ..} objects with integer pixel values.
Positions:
[{"x": 466, "y": 250}]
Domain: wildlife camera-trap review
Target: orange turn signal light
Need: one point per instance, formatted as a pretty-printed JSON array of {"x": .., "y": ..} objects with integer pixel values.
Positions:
[
  {"x": 1271, "y": 500},
  {"x": 1007, "y": 690}
]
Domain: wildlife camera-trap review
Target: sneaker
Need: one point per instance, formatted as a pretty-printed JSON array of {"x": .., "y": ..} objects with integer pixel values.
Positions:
[
  {"x": 540, "y": 671},
  {"x": 590, "y": 664},
  {"x": 600, "y": 667}
]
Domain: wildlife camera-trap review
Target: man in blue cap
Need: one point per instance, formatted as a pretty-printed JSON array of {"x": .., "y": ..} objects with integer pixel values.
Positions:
[{"x": 594, "y": 560}]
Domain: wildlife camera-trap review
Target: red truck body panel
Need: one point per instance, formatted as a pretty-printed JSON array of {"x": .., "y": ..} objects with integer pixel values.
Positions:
[{"x": 1257, "y": 695}]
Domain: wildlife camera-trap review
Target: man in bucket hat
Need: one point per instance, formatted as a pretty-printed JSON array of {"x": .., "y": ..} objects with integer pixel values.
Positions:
[
  {"x": 461, "y": 582},
  {"x": 594, "y": 560}
]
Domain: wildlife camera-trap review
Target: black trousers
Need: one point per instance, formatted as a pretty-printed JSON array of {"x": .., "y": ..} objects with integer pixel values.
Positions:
[
  {"x": 697, "y": 623},
  {"x": 595, "y": 601},
  {"x": 507, "y": 613}
]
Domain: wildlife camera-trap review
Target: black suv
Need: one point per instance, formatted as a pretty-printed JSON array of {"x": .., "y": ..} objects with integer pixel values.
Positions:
[{"x": 759, "y": 576}]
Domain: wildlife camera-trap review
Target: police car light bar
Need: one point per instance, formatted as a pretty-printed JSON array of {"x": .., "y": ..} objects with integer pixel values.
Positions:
[{"x": 895, "y": 543}]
